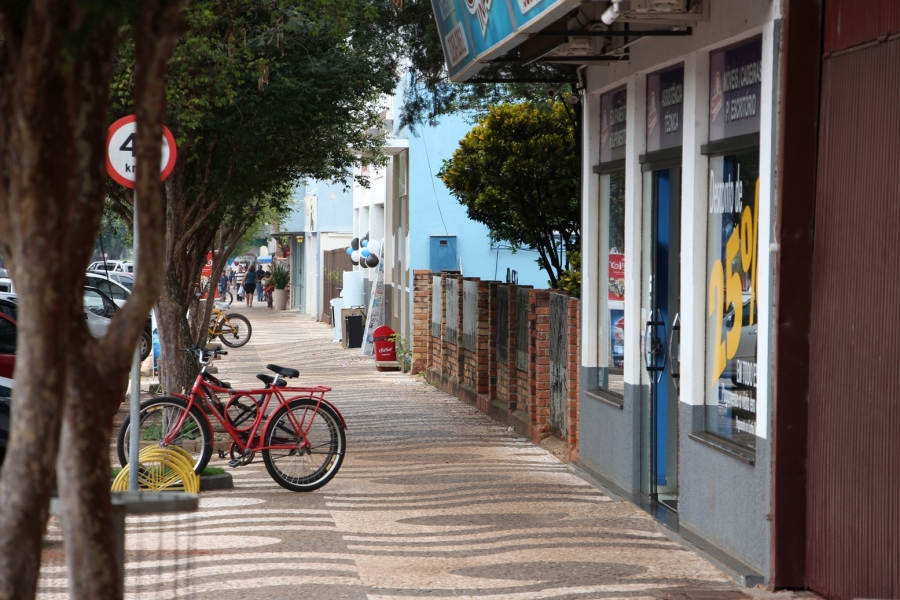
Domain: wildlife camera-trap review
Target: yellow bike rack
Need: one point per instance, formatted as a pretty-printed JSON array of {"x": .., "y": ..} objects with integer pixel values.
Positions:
[{"x": 162, "y": 468}]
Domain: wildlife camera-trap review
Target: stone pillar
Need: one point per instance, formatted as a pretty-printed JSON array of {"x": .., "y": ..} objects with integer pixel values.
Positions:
[
  {"x": 574, "y": 339},
  {"x": 540, "y": 407},
  {"x": 421, "y": 334}
]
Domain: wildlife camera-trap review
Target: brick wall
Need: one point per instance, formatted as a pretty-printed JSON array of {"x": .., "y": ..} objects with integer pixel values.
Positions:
[
  {"x": 516, "y": 397},
  {"x": 421, "y": 335}
]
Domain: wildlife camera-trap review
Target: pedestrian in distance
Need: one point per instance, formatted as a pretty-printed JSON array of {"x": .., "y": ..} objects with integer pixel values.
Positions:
[
  {"x": 268, "y": 288},
  {"x": 223, "y": 286},
  {"x": 259, "y": 284},
  {"x": 249, "y": 285}
]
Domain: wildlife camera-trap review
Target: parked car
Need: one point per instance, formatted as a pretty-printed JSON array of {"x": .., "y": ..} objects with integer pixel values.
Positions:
[
  {"x": 105, "y": 283},
  {"x": 4, "y": 426},
  {"x": 119, "y": 292},
  {"x": 6, "y": 284},
  {"x": 112, "y": 265},
  {"x": 126, "y": 279},
  {"x": 8, "y": 328}
]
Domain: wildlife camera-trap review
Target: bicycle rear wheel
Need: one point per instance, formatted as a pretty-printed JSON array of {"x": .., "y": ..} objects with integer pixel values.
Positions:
[
  {"x": 234, "y": 330},
  {"x": 318, "y": 442},
  {"x": 158, "y": 417}
]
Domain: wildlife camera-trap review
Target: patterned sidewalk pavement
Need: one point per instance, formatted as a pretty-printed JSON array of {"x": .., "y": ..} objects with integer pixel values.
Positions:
[{"x": 434, "y": 500}]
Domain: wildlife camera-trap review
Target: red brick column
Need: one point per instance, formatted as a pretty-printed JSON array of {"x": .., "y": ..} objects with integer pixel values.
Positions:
[
  {"x": 574, "y": 338},
  {"x": 421, "y": 336},
  {"x": 540, "y": 408},
  {"x": 487, "y": 326}
]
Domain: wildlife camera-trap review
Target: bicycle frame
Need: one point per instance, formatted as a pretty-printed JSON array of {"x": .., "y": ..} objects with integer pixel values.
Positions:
[{"x": 254, "y": 433}]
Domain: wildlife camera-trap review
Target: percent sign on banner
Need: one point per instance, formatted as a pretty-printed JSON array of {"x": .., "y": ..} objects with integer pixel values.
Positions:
[{"x": 121, "y": 147}]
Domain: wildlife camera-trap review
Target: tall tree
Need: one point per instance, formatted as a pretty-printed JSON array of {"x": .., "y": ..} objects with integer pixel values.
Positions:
[
  {"x": 261, "y": 95},
  {"x": 517, "y": 173},
  {"x": 56, "y": 63}
]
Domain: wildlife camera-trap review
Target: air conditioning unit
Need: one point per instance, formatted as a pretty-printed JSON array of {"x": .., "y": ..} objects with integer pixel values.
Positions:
[{"x": 657, "y": 6}]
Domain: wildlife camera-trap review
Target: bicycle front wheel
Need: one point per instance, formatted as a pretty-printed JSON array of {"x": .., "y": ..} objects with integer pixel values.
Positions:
[
  {"x": 234, "y": 330},
  {"x": 158, "y": 417},
  {"x": 314, "y": 445}
]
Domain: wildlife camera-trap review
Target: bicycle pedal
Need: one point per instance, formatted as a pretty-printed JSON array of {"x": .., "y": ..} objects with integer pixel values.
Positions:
[{"x": 234, "y": 463}]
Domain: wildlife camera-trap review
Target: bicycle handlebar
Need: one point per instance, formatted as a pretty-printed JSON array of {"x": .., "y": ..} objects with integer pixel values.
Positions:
[{"x": 205, "y": 354}]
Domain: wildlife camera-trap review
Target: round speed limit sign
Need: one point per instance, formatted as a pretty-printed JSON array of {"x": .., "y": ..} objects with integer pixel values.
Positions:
[{"x": 121, "y": 147}]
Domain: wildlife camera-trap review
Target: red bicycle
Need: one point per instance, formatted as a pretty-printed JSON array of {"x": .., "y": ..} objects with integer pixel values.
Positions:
[{"x": 301, "y": 439}]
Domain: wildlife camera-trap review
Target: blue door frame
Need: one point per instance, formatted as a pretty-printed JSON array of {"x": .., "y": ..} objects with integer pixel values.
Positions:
[{"x": 662, "y": 328}]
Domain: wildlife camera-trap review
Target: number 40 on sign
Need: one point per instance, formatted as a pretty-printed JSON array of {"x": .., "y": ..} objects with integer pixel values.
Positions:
[{"x": 121, "y": 152}]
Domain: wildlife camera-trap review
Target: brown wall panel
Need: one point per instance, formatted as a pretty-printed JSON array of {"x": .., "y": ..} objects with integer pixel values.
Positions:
[
  {"x": 852, "y": 22},
  {"x": 853, "y": 515}
]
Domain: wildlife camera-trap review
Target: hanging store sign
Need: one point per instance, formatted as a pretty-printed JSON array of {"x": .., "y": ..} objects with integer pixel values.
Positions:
[
  {"x": 613, "y": 107},
  {"x": 735, "y": 77},
  {"x": 475, "y": 31},
  {"x": 665, "y": 108}
]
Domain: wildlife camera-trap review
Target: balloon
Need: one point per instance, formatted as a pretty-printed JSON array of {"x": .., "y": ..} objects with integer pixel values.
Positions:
[
  {"x": 364, "y": 242},
  {"x": 354, "y": 243},
  {"x": 371, "y": 260},
  {"x": 374, "y": 247},
  {"x": 364, "y": 252},
  {"x": 349, "y": 250},
  {"x": 355, "y": 256}
]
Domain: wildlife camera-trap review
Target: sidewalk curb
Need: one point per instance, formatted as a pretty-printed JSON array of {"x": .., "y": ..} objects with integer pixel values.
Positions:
[{"x": 223, "y": 481}]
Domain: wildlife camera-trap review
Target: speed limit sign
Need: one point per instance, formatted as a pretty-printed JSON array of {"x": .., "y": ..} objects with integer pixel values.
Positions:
[{"x": 121, "y": 146}]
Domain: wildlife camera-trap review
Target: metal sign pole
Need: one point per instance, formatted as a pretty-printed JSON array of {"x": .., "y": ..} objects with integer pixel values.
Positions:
[{"x": 134, "y": 409}]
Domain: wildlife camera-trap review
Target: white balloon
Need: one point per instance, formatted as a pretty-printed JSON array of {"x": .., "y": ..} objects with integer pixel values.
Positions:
[
  {"x": 355, "y": 256},
  {"x": 374, "y": 247}
]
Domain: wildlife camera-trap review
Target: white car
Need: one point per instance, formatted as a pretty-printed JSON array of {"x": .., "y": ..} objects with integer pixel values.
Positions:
[
  {"x": 6, "y": 284},
  {"x": 112, "y": 265},
  {"x": 109, "y": 286}
]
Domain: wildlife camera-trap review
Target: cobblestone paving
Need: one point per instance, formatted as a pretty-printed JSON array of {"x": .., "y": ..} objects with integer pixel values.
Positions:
[{"x": 434, "y": 500}]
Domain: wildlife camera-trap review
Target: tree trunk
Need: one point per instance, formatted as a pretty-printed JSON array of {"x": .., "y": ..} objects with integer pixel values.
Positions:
[
  {"x": 83, "y": 468},
  {"x": 55, "y": 68},
  {"x": 177, "y": 369}
]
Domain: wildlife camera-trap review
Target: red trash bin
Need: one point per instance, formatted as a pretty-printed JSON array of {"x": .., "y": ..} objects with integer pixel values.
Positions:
[{"x": 385, "y": 350}]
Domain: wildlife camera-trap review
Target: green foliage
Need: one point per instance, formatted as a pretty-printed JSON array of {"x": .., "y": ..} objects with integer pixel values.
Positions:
[
  {"x": 570, "y": 279},
  {"x": 115, "y": 239},
  {"x": 262, "y": 94},
  {"x": 403, "y": 351},
  {"x": 280, "y": 275},
  {"x": 517, "y": 173}
]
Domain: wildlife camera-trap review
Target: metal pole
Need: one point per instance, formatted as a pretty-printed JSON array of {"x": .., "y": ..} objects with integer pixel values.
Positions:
[{"x": 134, "y": 409}]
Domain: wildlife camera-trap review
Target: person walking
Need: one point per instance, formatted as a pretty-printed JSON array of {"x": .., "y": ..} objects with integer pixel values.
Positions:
[
  {"x": 239, "y": 278},
  {"x": 259, "y": 282},
  {"x": 268, "y": 288},
  {"x": 249, "y": 286},
  {"x": 223, "y": 286}
]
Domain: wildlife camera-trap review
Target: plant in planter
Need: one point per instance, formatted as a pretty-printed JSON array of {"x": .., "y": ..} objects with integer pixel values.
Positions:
[
  {"x": 404, "y": 352},
  {"x": 280, "y": 279}
]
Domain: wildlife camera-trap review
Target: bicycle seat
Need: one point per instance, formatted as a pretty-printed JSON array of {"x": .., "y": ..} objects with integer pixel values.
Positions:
[
  {"x": 283, "y": 371},
  {"x": 268, "y": 379},
  {"x": 220, "y": 305}
]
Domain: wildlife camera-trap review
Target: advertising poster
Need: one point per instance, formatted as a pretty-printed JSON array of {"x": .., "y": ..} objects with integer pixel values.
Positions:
[
  {"x": 206, "y": 277},
  {"x": 732, "y": 314},
  {"x": 616, "y": 277},
  {"x": 665, "y": 108},
  {"x": 617, "y": 338}
]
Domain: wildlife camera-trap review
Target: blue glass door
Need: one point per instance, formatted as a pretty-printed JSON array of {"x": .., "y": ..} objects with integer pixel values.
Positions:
[{"x": 662, "y": 337}]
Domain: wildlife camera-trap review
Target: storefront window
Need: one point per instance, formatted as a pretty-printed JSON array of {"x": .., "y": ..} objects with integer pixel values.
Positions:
[
  {"x": 732, "y": 324},
  {"x": 611, "y": 373},
  {"x": 611, "y": 317}
]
